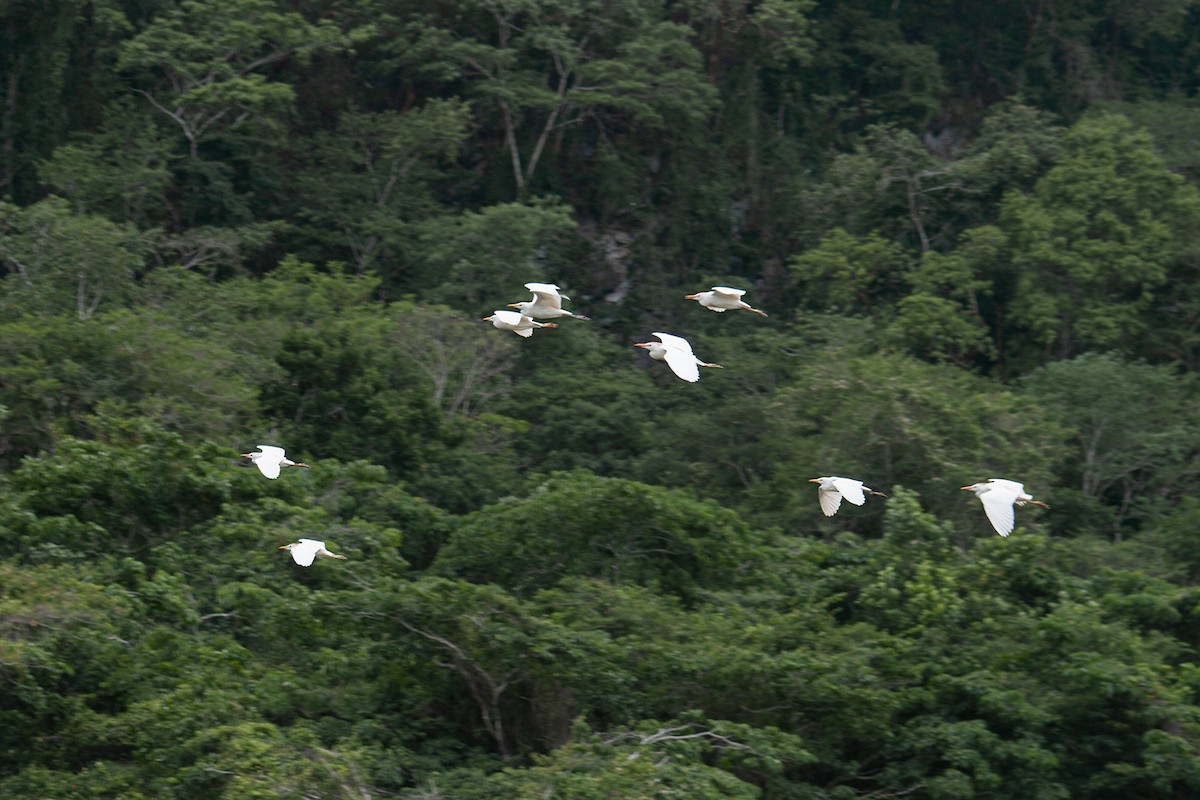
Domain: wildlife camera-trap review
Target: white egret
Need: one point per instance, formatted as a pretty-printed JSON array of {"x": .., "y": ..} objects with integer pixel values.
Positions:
[
  {"x": 678, "y": 354},
  {"x": 306, "y": 550},
  {"x": 722, "y": 299},
  {"x": 833, "y": 489},
  {"x": 520, "y": 324},
  {"x": 270, "y": 459},
  {"x": 546, "y": 303},
  {"x": 998, "y": 497}
]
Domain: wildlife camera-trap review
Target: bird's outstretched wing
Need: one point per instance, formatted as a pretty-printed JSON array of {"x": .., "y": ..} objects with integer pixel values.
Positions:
[
  {"x": 679, "y": 357},
  {"x": 831, "y": 501},
  {"x": 851, "y": 489},
  {"x": 306, "y": 553},
  {"x": 268, "y": 460},
  {"x": 733, "y": 294},
  {"x": 545, "y": 294},
  {"x": 998, "y": 504},
  {"x": 508, "y": 317},
  {"x": 1004, "y": 483},
  {"x": 670, "y": 340}
]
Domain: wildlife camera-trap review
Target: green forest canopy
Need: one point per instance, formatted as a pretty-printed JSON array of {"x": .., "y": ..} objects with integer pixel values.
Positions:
[{"x": 975, "y": 228}]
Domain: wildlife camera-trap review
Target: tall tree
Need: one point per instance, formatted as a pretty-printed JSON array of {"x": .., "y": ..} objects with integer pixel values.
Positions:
[
  {"x": 205, "y": 63},
  {"x": 1094, "y": 240}
]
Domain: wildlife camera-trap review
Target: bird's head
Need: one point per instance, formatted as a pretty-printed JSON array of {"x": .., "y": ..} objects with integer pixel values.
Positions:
[
  {"x": 489, "y": 318},
  {"x": 646, "y": 345},
  {"x": 971, "y": 488},
  {"x": 247, "y": 455},
  {"x": 288, "y": 546}
]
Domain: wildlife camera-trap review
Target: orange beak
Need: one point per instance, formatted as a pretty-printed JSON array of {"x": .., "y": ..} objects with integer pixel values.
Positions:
[
  {"x": 689, "y": 297},
  {"x": 814, "y": 480},
  {"x": 965, "y": 488}
]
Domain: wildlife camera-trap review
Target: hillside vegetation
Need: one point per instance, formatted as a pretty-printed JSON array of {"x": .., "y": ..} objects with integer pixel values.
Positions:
[{"x": 975, "y": 228}]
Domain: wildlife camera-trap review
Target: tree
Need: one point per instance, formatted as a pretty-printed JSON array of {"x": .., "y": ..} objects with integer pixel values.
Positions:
[
  {"x": 851, "y": 274},
  {"x": 607, "y": 528},
  {"x": 941, "y": 318},
  {"x": 1130, "y": 461},
  {"x": 374, "y": 173},
  {"x": 548, "y": 65},
  {"x": 1094, "y": 241},
  {"x": 62, "y": 262},
  {"x": 208, "y": 60}
]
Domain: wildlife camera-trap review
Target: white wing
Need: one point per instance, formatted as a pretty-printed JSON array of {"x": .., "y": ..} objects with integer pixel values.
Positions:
[
  {"x": 545, "y": 294},
  {"x": 831, "y": 501},
  {"x": 679, "y": 357},
  {"x": 524, "y": 333},
  {"x": 268, "y": 460},
  {"x": 732, "y": 294},
  {"x": 306, "y": 552},
  {"x": 998, "y": 503},
  {"x": 850, "y": 489},
  {"x": 671, "y": 341},
  {"x": 508, "y": 317},
  {"x": 1013, "y": 486}
]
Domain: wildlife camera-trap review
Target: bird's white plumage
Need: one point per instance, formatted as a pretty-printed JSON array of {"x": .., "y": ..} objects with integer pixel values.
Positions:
[
  {"x": 999, "y": 496},
  {"x": 512, "y": 318},
  {"x": 546, "y": 294},
  {"x": 1018, "y": 488},
  {"x": 833, "y": 488},
  {"x": 722, "y": 299},
  {"x": 519, "y": 323},
  {"x": 831, "y": 501},
  {"x": 546, "y": 303},
  {"x": 998, "y": 505},
  {"x": 268, "y": 460},
  {"x": 305, "y": 551},
  {"x": 677, "y": 352}
]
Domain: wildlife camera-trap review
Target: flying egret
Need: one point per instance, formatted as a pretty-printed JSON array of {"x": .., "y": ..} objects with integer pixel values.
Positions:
[
  {"x": 998, "y": 497},
  {"x": 520, "y": 324},
  {"x": 269, "y": 459},
  {"x": 833, "y": 489},
  {"x": 722, "y": 299},
  {"x": 306, "y": 550},
  {"x": 546, "y": 303},
  {"x": 678, "y": 354}
]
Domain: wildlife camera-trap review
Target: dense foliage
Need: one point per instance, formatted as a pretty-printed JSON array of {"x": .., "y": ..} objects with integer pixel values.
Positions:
[{"x": 975, "y": 228}]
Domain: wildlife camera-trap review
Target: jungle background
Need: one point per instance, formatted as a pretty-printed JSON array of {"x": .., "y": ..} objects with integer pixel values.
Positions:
[{"x": 975, "y": 227}]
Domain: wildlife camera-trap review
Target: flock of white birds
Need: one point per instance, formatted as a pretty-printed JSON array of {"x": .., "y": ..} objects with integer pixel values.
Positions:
[{"x": 998, "y": 495}]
